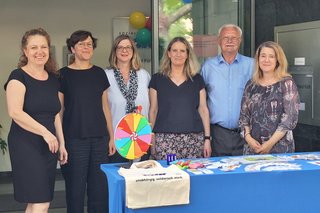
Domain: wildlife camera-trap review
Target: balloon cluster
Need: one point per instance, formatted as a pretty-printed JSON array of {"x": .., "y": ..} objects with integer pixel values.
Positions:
[{"x": 139, "y": 21}]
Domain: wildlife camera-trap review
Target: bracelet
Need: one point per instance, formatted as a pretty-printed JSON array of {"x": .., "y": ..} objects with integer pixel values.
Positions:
[{"x": 248, "y": 133}]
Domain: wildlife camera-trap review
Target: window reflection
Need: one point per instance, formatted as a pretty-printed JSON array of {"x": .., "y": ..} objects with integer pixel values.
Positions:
[{"x": 198, "y": 17}]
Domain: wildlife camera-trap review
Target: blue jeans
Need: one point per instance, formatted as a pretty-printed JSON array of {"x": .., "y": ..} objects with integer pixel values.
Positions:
[{"x": 82, "y": 172}]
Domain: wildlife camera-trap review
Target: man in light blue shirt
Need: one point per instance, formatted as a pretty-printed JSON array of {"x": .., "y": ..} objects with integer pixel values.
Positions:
[{"x": 225, "y": 77}]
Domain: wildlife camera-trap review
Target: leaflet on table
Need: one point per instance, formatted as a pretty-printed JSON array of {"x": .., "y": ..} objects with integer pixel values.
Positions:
[
  {"x": 305, "y": 156},
  {"x": 315, "y": 162},
  {"x": 200, "y": 171},
  {"x": 249, "y": 159},
  {"x": 272, "y": 166}
]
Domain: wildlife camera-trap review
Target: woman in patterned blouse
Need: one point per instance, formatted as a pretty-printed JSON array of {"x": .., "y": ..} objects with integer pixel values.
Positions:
[{"x": 270, "y": 104}]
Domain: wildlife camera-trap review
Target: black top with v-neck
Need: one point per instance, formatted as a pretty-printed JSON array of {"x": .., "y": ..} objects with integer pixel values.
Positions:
[{"x": 177, "y": 105}]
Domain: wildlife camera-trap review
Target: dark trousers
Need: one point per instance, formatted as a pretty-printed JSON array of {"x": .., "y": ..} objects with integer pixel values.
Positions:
[
  {"x": 225, "y": 142},
  {"x": 82, "y": 172}
]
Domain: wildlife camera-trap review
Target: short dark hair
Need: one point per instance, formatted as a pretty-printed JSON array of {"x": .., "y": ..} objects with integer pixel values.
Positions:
[{"x": 80, "y": 35}]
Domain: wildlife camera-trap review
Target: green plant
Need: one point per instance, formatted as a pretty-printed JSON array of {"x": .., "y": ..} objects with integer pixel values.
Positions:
[{"x": 3, "y": 144}]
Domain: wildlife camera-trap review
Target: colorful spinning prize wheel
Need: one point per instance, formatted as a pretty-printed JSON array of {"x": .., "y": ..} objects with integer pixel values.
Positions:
[{"x": 133, "y": 136}]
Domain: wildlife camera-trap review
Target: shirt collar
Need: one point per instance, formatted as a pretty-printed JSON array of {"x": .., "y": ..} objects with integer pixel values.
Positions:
[{"x": 221, "y": 59}]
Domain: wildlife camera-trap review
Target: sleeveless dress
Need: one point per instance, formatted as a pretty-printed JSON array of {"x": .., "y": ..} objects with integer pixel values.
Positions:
[{"x": 33, "y": 165}]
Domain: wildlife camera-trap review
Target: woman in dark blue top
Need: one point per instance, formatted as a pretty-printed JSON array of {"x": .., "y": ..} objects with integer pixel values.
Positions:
[{"x": 178, "y": 107}]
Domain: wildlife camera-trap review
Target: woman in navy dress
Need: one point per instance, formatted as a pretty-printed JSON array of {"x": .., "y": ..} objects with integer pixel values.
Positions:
[{"x": 35, "y": 135}]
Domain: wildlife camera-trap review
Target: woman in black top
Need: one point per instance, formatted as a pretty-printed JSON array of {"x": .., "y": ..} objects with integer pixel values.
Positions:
[
  {"x": 87, "y": 126},
  {"x": 36, "y": 134},
  {"x": 178, "y": 107}
]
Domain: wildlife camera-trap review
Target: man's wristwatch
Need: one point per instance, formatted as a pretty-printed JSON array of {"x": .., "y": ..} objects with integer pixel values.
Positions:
[{"x": 207, "y": 138}]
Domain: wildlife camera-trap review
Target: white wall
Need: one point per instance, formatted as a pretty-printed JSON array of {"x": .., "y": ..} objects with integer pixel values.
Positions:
[{"x": 59, "y": 18}]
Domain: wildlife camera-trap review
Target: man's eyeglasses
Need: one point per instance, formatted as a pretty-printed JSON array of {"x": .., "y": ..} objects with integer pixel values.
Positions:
[
  {"x": 232, "y": 39},
  {"x": 127, "y": 48}
]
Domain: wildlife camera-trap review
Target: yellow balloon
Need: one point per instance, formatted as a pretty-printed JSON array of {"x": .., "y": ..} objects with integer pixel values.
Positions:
[{"x": 137, "y": 20}]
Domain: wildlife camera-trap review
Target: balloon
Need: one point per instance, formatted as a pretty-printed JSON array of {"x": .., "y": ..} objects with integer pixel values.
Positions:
[
  {"x": 149, "y": 23},
  {"x": 187, "y": 1},
  {"x": 137, "y": 20},
  {"x": 143, "y": 38}
]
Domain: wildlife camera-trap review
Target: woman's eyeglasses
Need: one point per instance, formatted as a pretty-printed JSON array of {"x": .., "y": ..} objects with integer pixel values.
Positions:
[
  {"x": 85, "y": 44},
  {"x": 127, "y": 48}
]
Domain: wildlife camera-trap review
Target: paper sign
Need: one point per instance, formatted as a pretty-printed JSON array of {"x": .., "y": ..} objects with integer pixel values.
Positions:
[{"x": 300, "y": 61}]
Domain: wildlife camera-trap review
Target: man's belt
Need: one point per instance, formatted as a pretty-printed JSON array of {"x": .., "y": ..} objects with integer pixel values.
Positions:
[{"x": 237, "y": 130}]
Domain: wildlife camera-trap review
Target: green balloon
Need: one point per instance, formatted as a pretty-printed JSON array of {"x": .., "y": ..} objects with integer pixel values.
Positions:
[{"x": 143, "y": 38}]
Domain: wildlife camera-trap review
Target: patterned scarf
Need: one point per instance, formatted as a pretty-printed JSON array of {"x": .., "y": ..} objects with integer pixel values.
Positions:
[{"x": 129, "y": 94}]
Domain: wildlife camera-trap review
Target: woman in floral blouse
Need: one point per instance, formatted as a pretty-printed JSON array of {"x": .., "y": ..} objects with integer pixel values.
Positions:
[{"x": 270, "y": 104}]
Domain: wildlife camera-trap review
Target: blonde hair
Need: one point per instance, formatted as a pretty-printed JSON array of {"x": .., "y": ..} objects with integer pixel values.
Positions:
[
  {"x": 191, "y": 65},
  {"x": 135, "y": 61},
  {"x": 281, "y": 69}
]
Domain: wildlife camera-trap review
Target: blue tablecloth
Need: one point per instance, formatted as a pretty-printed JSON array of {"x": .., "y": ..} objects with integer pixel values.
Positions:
[{"x": 292, "y": 191}]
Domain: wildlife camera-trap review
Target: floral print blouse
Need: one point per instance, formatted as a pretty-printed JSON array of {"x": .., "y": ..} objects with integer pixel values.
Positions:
[{"x": 266, "y": 109}]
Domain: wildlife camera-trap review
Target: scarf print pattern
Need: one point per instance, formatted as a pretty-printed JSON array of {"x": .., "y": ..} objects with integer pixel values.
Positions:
[{"x": 130, "y": 94}]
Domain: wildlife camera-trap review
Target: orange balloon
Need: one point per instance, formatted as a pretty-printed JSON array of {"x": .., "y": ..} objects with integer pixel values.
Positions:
[{"x": 137, "y": 20}]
